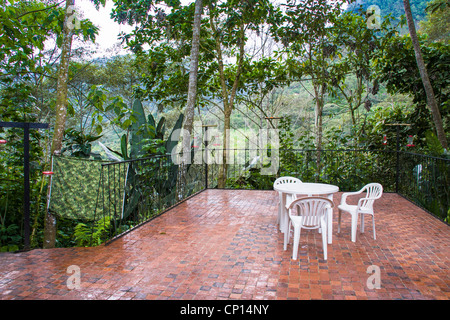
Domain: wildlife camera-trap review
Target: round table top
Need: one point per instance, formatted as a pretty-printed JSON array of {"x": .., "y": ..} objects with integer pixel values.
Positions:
[{"x": 306, "y": 188}]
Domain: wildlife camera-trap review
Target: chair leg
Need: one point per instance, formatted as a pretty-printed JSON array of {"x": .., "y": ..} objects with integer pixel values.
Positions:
[
  {"x": 373, "y": 226},
  {"x": 339, "y": 221},
  {"x": 286, "y": 235},
  {"x": 324, "y": 239},
  {"x": 279, "y": 213},
  {"x": 354, "y": 226},
  {"x": 289, "y": 231},
  {"x": 297, "y": 230},
  {"x": 362, "y": 223},
  {"x": 281, "y": 209}
]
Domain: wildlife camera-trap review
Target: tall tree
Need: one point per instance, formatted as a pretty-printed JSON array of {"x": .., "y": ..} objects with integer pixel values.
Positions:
[
  {"x": 227, "y": 95},
  {"x": 63, "y": 75},
  {"x": 193, "y": 74},
  {"x": 68, "y": 31},
  {"x": 230, "y": 21},
  {"x": 354, "y": 47},
  {"x": 432, "y": 104},
  {"x": 305, "y": 35}
]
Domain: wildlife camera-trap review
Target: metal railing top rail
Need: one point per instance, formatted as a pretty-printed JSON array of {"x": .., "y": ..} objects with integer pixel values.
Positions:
[
  {"x": 424, "y": 155},
  {"x": 134, "y": 160}
]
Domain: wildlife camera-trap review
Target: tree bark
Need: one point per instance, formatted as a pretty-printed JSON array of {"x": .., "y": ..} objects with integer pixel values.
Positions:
[
  {"x": 61, "y": 113},
  {"x": 228, "y": 98},
  {"x": 228, "y": 108},
  {"x": 193, "y": 73},
  {"x": 432, "y": 104},
  {"x": 192, "y": 90},
  {"x": 319, "y": 91}
]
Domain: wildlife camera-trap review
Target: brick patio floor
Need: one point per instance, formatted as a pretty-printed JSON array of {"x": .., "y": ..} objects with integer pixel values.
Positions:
[{"x": 225, "y": 244}]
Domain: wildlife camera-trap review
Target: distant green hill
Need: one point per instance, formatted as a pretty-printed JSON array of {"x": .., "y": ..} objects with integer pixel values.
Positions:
[{"x": 395, "y": 7}]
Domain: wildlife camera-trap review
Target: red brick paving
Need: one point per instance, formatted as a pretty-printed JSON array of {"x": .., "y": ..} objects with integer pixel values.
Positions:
[{"x": 225, "y": 244}]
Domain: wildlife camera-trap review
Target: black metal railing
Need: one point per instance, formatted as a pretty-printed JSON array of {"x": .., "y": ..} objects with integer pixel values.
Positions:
[
  {"x": 128, "y": 193},
  {"x": 425, "y": 180},
  {"x": 135, "y": 191},
  {"x": 422, "y": 179},
  {"x": 349, "y": 169}
]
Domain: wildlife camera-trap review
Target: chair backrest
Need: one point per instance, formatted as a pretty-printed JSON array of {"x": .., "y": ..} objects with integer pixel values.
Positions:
[
  {"x": 374, "y": 191},
  {"x": 283, "y": 180},
  {"x": 311, "y": 209}
]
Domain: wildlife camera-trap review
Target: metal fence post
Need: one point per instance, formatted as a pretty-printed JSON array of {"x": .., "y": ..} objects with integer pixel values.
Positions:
[
  {"x": 26, "y": 172},
  {"x": 398, "y": 160}
]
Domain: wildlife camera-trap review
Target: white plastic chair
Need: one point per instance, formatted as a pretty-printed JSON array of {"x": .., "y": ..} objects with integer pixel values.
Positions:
[
  {"x": 284, "y": 180},
  {"x": 364, "y": 206},
  {"x": 311, "y": 214}
]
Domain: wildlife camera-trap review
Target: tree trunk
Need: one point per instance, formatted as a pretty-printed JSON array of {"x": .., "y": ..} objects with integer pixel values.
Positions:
[
  {"x": 319, "y": 91},
  {"x": 223, "y": 169},
  {"x": 432, "y": 104},
  {"x": 192, "y": 89},
  {"x": 61, "y": 112},
  {"x": 228, "y": 99}
]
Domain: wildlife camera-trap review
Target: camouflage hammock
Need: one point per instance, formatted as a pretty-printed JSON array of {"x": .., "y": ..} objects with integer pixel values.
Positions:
[
  {"x": 84, "y": 189},
  {"x": 75, "y": 188}
]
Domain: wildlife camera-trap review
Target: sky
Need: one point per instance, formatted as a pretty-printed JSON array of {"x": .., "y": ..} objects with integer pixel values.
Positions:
[{"x": 109, "y": 30}]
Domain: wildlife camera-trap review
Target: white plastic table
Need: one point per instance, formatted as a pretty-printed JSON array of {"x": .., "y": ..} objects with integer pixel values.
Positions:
[{"x": 304, "y": 189}]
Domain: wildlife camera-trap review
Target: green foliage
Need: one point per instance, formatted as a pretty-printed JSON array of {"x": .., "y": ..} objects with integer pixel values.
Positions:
[
  {"x": 146, "y": 137},
  {"x": 353, "y": 46},
  {"x": 251, "y": 180},
  {"x": 10, "y": 238},
  {"x": 287, "y": 155},
  {"x": 79, "y": 144},
  {"x": 22, "y": 32},
  {"x": 145, "y": 134},
  {"x": 433, "y": 146},
  {"x": 167, "y": 29},
  {"x": 397, "y": 67},
  {"x": 25, "y": 26},
  {"x": 92, "y": 235},
  {"x": 437, "y": 22}
]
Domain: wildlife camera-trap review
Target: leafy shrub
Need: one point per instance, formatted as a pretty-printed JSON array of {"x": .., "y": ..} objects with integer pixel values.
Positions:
[{"x": 93, "y": 235}]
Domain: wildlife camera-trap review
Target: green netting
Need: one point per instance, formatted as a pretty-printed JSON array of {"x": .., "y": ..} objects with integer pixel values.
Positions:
[{"x": 75, "y": 188}]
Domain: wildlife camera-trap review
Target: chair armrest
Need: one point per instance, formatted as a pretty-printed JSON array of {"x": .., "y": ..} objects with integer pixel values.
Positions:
[
  {"x": 346, "y": 194},
  {"x": 364, "y": 199}
]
